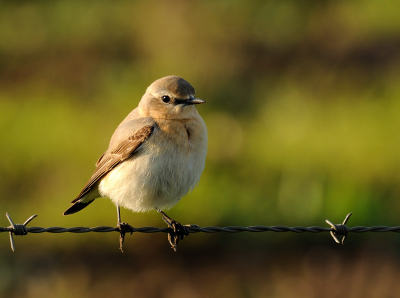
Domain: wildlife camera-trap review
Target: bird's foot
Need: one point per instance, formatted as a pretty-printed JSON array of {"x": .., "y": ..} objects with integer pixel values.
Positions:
[
  {"x": 179, "y": 231},
  {"x": 123, "y": 228}
]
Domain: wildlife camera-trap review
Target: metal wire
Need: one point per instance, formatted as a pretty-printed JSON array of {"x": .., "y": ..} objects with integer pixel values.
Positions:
[
  {"x": 194, "y": 229},
  {"x": 335, "y": 230}
]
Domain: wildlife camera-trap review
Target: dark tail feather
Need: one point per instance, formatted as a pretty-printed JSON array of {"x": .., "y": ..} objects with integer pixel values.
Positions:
[{"x": 78, "y": 206}]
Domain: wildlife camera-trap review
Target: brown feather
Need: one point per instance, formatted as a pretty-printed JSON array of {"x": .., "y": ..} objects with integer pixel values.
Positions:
[{"x": 109, "y": 161}]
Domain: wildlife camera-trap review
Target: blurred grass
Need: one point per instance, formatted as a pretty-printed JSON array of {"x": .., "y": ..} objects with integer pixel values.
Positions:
[{"x": 303, "y": 104}]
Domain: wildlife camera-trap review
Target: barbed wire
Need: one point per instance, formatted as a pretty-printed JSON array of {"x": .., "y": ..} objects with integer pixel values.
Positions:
[{"x": 335, "y": 230}]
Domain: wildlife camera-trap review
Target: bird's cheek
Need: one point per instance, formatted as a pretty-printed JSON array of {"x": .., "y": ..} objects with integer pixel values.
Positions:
[{"x": 177, "y": 109}]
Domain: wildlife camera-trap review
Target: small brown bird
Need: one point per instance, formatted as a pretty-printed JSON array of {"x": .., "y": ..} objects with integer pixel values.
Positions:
[{"x": 155, "y": 156}]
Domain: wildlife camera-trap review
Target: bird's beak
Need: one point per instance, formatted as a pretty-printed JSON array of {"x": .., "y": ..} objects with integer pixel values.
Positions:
[{"x": 195, "y": 101}]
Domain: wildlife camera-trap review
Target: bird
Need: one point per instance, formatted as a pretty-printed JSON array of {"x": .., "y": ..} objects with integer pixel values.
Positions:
[{"x": 155, "y": 156}]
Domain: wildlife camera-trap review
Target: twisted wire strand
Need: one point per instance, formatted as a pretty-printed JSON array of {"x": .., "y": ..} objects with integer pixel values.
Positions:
[
  {"x": 335, "y": 230},
  {"x": 197, "y": 229}
]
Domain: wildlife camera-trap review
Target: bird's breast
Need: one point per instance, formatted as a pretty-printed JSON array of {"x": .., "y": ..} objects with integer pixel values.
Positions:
[
  {"x": 167, "y": 167},
  {"x": 177, "y": 152}
]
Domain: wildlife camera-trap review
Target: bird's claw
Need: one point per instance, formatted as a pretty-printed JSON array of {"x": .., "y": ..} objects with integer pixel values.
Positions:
[
  {"x": 123, "y": 228},
  {"x": 178, "y": 233}
]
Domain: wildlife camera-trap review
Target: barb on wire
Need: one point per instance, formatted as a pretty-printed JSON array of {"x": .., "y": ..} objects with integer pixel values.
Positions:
[
  {"x": 335, "y": 230},
  {"x": 19, "y": 230},
  {"x": 340, "y": 229}
]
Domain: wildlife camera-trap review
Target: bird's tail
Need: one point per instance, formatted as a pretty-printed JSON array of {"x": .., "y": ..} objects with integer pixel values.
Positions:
[
  {"x": 83, "y": 200},
  {"x": 77, "y": 206}
]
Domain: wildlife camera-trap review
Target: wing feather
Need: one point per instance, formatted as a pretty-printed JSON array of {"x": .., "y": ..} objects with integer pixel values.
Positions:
[{"x": 109, "y": 161}]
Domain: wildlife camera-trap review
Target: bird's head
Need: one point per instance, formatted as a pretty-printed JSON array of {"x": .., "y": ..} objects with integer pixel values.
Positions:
[{"x": 169, "y": 98}]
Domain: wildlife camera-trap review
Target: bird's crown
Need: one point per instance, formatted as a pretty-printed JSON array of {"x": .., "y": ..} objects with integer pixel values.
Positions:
[{"x": 174, "y": 85}]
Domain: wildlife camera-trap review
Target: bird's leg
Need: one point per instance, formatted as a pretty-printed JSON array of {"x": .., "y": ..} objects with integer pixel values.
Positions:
[
  {"x": 179, "y": 231},
  {"x": 123, "y": 228}
]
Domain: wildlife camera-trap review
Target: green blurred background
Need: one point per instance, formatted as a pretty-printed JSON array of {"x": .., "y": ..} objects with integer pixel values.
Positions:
[{"x": 303, "y": 113}]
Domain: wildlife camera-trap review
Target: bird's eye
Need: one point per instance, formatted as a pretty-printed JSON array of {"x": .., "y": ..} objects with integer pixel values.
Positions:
[{"x": 166, "y": 98}]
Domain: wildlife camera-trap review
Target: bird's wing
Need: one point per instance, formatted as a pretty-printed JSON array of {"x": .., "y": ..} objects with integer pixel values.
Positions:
[
  {"x": 99, "y": 160},
  {"x": 110, "y": 160}
]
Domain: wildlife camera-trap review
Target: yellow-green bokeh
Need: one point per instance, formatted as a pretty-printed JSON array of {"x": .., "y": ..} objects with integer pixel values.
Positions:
[{"x": 303, "y": 114}]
